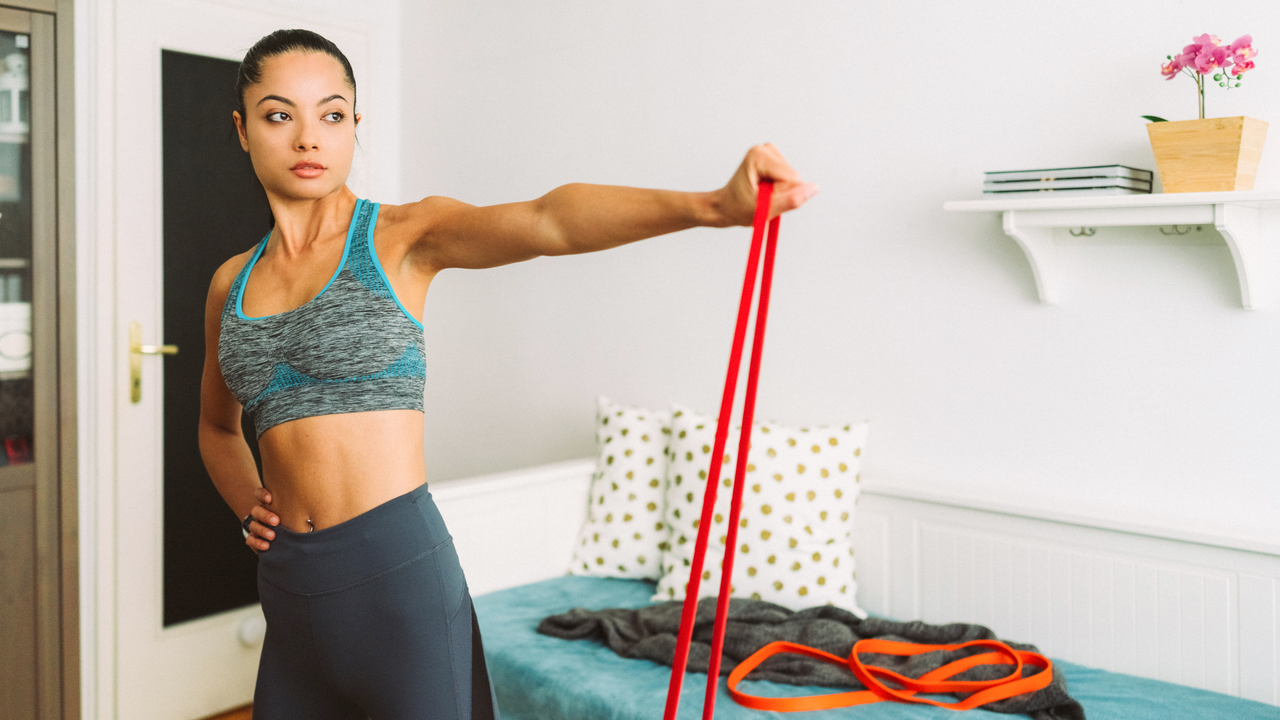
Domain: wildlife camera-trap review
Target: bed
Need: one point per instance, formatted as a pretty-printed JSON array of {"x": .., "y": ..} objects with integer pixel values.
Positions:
[{"x": 543, "y": 678}]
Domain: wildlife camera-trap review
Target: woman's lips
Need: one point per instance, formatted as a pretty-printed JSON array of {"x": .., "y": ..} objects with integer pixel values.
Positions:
[{"x": 308, "y": 170}]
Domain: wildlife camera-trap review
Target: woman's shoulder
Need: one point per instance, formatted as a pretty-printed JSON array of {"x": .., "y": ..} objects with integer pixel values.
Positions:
[
  {"x": 415, "y": 218},
  {"x": 226, "y": 274},
  {"x": 408, "y": 228}
]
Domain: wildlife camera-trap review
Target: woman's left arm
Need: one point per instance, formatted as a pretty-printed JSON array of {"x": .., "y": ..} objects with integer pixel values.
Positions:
[{"x": 583, "y": 218}]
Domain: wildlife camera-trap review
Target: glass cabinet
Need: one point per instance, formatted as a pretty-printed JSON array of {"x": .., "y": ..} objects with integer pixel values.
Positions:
[
  {"x": 17, "y": 392},
  {"x": 32, "y": 603}
]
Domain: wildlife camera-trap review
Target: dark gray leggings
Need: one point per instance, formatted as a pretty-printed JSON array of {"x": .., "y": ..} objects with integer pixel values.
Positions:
[{"x": 370, "y": 618}]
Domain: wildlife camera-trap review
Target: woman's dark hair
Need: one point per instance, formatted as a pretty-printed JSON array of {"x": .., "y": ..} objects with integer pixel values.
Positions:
[{"x": 279, "y": 43}]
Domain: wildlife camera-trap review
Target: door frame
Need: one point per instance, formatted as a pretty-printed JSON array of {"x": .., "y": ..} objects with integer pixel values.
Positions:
[{"x": 109, "y": 221}]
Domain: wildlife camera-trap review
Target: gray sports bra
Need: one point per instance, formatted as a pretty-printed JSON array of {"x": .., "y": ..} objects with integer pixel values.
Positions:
[{"x": 352, "y": 348}]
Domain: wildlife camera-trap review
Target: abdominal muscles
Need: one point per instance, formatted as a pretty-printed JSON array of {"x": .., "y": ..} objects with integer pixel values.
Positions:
[{"x": 327, "y": 469}]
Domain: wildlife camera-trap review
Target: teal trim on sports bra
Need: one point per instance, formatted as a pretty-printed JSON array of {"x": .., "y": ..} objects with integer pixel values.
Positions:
[
  {"x": 373, "y": 254},
  {"x": 346, "y": 250}
]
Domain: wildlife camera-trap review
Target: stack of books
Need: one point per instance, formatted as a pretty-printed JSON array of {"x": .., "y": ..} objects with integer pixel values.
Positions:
[{"x": 1068, "y": 182}]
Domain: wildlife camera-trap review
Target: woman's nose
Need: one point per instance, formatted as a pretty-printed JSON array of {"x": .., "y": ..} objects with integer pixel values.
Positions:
[{"x": 307, "y": 136}]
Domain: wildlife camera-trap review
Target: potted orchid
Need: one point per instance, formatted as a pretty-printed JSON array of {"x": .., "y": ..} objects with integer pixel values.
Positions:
[{"x": 1208, "y": 154}]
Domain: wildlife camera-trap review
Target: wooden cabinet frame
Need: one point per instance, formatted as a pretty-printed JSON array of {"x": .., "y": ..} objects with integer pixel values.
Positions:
[{"x": 54, "y": 476}]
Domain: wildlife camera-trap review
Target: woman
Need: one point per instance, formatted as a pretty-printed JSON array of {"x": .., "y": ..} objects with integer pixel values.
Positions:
[{"x": 368, "y": 613}]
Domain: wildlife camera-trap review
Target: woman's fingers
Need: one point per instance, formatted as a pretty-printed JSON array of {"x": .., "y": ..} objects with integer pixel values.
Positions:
[
  {"x": 785, "y": 200},
  {"x": 789, "y": 190},
  {"x": 263, "y": 520},
  {"x": 770, "y": 165},
  {"x": 765, "y": 162},
  {"x": 259, "y": 534},
  {"x": 261, "y": 513},
  {"x": 256, "y": 543}
]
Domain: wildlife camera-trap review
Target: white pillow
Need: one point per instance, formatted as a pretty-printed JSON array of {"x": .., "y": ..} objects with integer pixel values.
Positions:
[
  {"x": 624, "y": 532},
  {"x": 795, "y": 535}
]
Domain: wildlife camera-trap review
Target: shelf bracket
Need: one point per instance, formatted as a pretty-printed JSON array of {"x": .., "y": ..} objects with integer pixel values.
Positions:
[
  {"x": 1239, "y": 227},
  {"x": 1037, "y": 243}
]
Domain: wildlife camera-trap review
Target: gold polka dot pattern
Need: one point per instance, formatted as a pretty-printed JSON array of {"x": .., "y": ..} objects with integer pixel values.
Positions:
[
  {"x": 800, "y": 491},
  {"x": 625, "y": 531}
]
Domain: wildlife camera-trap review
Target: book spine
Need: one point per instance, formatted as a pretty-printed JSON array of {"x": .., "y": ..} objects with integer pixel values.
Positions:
[
  {"x": 1114, "y": 171},
  {"x": 1058, "y": 184},
  {"x": 1066, "y": 192}
]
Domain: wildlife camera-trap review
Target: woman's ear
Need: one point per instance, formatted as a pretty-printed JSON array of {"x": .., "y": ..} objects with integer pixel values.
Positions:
[
  {"x": 241, "y": 130},
  {"x": 357, "y": 118}
]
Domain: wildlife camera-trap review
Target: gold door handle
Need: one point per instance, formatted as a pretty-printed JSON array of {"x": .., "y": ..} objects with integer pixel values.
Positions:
[
  {"x": 157, "y": 350},
  {"x": 136, "y": 351}
]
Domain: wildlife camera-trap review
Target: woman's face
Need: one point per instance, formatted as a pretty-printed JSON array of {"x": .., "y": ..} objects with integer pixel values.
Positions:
[{"x": 299, "y": 128}]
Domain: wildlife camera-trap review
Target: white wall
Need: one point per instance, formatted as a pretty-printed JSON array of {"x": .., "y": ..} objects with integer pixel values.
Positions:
[{"x": 1146, "y": 393}]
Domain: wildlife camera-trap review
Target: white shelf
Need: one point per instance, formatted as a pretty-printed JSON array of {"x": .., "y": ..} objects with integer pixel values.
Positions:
[{"x": 1030, "y": 222}]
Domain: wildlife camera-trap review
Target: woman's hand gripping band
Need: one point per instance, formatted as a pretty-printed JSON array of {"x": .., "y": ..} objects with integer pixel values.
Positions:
[{"x": 736, "y": 201}]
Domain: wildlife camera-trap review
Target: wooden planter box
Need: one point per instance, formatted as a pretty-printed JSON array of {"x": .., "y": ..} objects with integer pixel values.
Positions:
[{"x": 1207, "y": 155}]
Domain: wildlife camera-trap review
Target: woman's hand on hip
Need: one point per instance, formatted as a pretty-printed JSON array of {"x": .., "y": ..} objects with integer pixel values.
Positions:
[
  {"x": 261, "y": 522},
  {"x": 737, "y": 199}
]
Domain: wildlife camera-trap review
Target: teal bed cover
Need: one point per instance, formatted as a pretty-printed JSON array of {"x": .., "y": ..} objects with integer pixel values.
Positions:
[{"x": 544, "y": 678}]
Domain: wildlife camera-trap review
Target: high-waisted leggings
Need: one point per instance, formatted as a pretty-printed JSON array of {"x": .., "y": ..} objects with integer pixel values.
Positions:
[{"x": 370, "y": 618}]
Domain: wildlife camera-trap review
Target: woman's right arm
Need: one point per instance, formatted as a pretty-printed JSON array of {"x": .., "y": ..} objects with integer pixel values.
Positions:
[{"x": 222, "y": 446}]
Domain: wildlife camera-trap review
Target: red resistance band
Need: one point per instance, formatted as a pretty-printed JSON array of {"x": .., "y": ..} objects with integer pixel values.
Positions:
[
  {"x": 763, "y": 197},
  {"x": 936, "y": 681}
]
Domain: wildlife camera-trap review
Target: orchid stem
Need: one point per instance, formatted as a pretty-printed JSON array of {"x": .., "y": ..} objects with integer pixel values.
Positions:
[{"x": 1201, "y": 83}]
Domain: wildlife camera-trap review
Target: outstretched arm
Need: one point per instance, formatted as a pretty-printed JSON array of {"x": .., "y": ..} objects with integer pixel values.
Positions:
[{"x": 583, "y": 218}]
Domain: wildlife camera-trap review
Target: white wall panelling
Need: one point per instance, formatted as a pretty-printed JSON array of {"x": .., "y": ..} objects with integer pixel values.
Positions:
[
  {"x": 515, "y": 527},
  {"x": 1195, "y": 613},
  {"x": 1260, "y": 613}
]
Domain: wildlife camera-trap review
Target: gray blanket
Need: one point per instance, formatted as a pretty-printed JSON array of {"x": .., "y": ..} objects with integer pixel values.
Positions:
[{"x": 650, "y": 633}]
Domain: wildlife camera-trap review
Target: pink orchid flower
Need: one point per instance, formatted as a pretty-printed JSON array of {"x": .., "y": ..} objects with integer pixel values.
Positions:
[
  {"x": 1211, "y": 58},
  {"x": 1205, "y": 55},
  {"x": 1242, "y": 48},
  {"x": 1188, "y": 57}
]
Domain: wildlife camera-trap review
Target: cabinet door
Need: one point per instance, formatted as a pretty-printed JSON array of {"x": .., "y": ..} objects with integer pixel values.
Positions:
[{"x": 29, "y": 559}]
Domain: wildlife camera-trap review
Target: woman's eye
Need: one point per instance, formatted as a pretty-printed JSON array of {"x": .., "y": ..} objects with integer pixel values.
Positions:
[
  {"x": 334, "y": 117},
  {"x": 277, "y": 116}
]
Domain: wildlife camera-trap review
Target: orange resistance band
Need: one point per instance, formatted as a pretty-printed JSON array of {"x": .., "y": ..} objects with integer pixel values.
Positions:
[{"x": 935, "y": 681}]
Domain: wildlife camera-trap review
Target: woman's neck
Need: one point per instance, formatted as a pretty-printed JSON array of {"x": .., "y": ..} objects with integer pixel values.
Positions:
[{"x": 302, "y": 221}]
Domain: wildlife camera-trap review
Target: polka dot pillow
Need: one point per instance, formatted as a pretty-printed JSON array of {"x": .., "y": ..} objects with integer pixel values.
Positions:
[
  {"x": 795, "y": 535},
  {"x": 625, "y": 531}
]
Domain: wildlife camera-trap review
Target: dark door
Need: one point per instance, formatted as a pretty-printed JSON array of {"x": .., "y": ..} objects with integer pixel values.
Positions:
[{"x": 214, "y": 207}]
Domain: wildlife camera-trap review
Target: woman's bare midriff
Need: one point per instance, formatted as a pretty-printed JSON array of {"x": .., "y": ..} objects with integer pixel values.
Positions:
[{"x": 327, "y": 469}]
